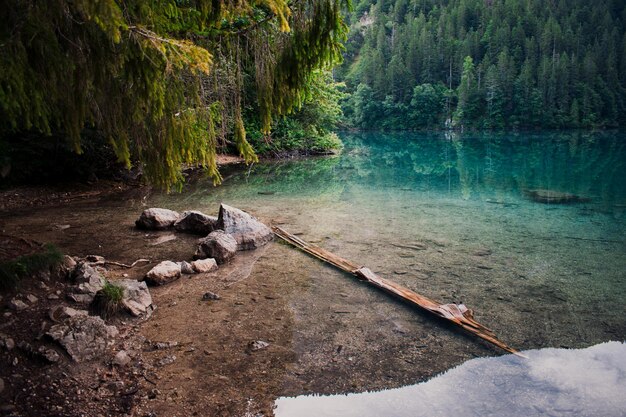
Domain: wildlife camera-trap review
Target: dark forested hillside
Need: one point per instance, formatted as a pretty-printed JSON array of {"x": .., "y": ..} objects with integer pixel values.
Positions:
[{"x": 486, "y": 64}]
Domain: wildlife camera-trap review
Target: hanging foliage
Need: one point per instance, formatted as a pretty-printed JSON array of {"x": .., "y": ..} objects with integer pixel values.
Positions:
[{"x": 164, "y": 80}]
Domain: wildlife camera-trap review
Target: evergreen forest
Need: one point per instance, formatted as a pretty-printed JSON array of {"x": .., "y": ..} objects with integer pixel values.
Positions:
[
  {"x": 164, "y": 84},
  {"x": 485, "y": 64}
]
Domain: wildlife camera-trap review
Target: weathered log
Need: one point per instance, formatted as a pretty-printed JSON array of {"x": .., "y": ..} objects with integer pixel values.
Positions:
[{"x": 458, "y": 314}]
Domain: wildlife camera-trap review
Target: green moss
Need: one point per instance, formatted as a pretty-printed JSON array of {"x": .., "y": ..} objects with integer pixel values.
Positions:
[{"x": 12, "y": 272}]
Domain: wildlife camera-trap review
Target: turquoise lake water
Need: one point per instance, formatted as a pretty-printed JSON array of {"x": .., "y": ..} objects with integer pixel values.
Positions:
[{"x": 449, "y": 216}]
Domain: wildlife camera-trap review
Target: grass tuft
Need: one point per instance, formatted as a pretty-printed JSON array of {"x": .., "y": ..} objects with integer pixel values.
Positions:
[
  {"x": 108, "y": 301},
  {"x": 12, "y": 272}
]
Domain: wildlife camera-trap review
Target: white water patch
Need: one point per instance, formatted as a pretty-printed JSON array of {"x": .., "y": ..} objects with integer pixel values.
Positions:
[{"x": 551, "y": 382}]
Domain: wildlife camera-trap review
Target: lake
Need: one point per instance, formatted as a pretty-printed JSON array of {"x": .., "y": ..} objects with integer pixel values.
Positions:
[{"x": 449, "y": 216}]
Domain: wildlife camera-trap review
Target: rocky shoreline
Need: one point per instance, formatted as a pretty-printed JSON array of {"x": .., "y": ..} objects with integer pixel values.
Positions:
[{"x": 61, "y": 355}]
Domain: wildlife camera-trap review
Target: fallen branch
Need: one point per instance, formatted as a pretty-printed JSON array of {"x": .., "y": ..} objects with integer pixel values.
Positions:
[
  {"x": 105, "y": 262},
  {"x": 457, "y": 314}
]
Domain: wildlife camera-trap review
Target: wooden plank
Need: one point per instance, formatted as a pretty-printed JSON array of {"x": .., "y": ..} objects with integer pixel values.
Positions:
[{"x": 458, "y": 314}]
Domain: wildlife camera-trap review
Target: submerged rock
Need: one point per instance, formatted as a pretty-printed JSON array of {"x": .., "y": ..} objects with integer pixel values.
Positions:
[
  {"x": 204, "y": 265},
  {"x": 136, "y": 299},
  {"x": 247, "y": 230},
  {"x": 84, "y": 337},
  {"x": 218, "y": 245},
  {"x": 186, "y": 267},
  {"x": 554, "y": 197},
  {"x": 156, "y": 218},
  {"x": 196, "y": 222},
  {"x": 163, "y": 273}
]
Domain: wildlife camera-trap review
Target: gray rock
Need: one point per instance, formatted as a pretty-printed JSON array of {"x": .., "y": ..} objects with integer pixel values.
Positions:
[
  {"x": 89, "y": 283},
  {"x": 204, "y": 265},
  {"x": 32, "y": 299},
  {"x": 52, "y": 297},
  {"x": 17, "y": 305},
  {"x": 84, "y": 337},
  {"x": 48, "y": 354},
  {"x": 186, "y": 268},
  {"x": 121, "y": 359},
  {"x": 136, "y": 299},
  {"x": 247, "y": 230},
  {"x": 6, "y": 342},
  {"x": 257, "y": 345},
  {"x": 81, "y": 298},
  {"x": 67, "y": 266},
  {"x": 156, "y": 218},
  {"x": 218, "y": 245},
  {"x": 167, "y": 360},
  {"x": 196, "y": 222},
  {"x": 60, "y": 313},
  {"x": 210, "y": 296},
  {"x": 163, "y": 273}
]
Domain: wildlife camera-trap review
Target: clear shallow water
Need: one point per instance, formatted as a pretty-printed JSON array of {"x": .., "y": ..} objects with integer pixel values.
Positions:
[
  {"x": 551, "y": 382},
  {"x": 541, "y": 276}
]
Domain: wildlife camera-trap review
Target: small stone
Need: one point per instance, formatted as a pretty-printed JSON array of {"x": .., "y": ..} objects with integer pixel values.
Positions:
[
  {"x": 32, "y": 299},
  {"x": 186, "y": 267},
  {"x": 49, "y": 354},
  {"x": 153, "y": 393},
  {"x": 167, "y": 360},
  {"x": 60, "y": 313},
  {"x": 210, "y": 296},
  {"x": 67, "y": 266},
  {"x": 17, "y": 305},
  {"x": 121, "y": 358},
  {"x": 257, "y": 345},
  {"x": 165, "y": 345},
  {"x": 204, "y": 265},
  {"x": 42, "y": 285},
  {"x": 163, "y": 273},
  {"x": 6, "y": 342},
  {"x": 53, "y": 297}
]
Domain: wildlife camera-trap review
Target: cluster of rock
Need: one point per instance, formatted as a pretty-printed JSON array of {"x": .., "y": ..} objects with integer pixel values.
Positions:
[
  {"x": 88, "y": 279},
  {"x": 231, "y": 231}
]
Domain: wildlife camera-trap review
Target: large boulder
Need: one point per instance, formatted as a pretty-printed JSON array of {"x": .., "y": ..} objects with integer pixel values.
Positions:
[
  {"x": 196, "y": 222},
  {"x": 247, "y": 230},
  {"x": 163, "y": 273},
  {"x": 218, "y": 245},
  {"x": 136, "y": 299},
  {"x": 84, "y": 337},
  {"x": 156, "y": 218}
]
